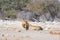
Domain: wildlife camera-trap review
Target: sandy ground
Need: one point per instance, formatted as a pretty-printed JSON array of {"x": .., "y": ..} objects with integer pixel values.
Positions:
[
  {"x": 27, "y": 35},
  {"x": 44, "y": 25},
  {"x": 11, "y": 34}
]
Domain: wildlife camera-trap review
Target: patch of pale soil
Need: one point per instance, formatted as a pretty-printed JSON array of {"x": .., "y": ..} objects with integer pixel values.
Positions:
[
  {"x": 9, "y": 32},
  {"x": 27, "y": 35}
]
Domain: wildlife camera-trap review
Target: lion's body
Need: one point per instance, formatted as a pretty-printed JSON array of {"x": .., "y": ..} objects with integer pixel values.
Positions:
[
  {"x": 28, "y": 26},
  {"x": 34, "y": 27}
]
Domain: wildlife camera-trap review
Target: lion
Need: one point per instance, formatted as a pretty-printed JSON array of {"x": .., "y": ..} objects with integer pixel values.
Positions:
[
  {"x": 25, "y": 24},
  {"x": 34, "y": 27},
  {"x": 28, "y": 26}
]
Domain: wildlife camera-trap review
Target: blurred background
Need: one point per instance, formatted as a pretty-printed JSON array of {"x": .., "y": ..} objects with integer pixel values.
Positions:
[{"x": 32, "y": 10}]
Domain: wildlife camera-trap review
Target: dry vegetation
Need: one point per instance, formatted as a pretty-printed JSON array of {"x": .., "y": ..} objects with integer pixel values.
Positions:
[{"x": 11, "y": 7}]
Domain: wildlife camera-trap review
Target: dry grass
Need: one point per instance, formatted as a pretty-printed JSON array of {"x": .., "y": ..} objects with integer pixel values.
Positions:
[{"x": 54, "y": 32}]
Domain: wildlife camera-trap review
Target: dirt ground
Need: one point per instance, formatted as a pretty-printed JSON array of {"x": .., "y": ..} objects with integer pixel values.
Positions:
[
  {"x": 11, "y": 34},
  {"x": 27, "y": 35}
]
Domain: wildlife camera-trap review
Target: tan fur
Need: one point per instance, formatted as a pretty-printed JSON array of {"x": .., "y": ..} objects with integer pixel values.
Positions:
[
  {"x": 34, "y": 27},
  {"x": 31, "y": 27},
  {"x": 24, "y": 23}
]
